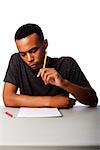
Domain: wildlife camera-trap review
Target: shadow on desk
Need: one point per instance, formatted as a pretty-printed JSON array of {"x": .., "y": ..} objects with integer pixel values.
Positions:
[{"x": 49, "y": 148}]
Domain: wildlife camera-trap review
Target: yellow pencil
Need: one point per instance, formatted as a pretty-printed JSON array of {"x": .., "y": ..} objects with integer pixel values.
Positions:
[
  {"x": 45, "y": 58},
  {"x": 44, "y": 63}
]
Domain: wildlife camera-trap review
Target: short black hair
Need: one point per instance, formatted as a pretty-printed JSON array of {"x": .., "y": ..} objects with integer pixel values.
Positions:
[{"x": 28, "y": 29}]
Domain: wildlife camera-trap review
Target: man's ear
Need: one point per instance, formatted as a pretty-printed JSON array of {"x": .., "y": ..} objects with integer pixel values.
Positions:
[{"x": 45, "y": 43}]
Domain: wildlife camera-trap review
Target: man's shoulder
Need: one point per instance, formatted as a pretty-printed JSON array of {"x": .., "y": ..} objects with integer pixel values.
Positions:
[
  {"x": 15, "y": 55},
  {"x": 67, "y": 59},
  {"x": 64, "y": 61},
  {"x": 15, "y": 59}
]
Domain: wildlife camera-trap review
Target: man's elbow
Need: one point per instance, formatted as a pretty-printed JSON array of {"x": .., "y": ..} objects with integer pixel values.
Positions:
[
  {"x": 94, "y": 99},
  {"x": 7, "y": 100},
  {"x": 94, "y": 103}
]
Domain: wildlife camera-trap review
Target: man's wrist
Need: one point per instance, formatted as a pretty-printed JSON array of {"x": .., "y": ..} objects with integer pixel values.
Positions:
[{"x": 64, "y": 84}]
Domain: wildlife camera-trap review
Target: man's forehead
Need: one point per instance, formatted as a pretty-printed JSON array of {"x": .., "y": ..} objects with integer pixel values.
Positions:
[
  {"x": 31, "y": 38},
  {"x": 28, "y": 42}
]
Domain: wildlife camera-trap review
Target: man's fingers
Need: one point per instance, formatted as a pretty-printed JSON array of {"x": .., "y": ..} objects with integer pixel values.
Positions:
[
  {"x": 72, "y": 102},
  {"x": 40, "y": 73},
  {"x": 48, "y": 75}
]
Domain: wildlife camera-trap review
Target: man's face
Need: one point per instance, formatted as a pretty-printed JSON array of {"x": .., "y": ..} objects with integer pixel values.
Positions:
[{"x": 32, "y": 50}]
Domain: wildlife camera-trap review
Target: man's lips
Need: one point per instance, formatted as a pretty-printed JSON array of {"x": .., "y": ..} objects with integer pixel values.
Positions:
[{"x": 34, "y": 65}]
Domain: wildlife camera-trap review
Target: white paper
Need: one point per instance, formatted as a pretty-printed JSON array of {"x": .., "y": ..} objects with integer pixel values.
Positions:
[{"x": 38, "y": 112}]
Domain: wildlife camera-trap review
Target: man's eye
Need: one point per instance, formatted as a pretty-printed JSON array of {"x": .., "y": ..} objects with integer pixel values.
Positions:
[
  {"x": 22, "y": 54},
  {"x": 34, "y": 50}
]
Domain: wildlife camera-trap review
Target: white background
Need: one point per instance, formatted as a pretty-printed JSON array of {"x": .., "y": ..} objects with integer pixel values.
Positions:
[{"x": 72, "y": 28}]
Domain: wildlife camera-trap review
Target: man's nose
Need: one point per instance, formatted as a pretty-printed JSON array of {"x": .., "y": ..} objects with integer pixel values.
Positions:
[{"x": 29, "y": 57}]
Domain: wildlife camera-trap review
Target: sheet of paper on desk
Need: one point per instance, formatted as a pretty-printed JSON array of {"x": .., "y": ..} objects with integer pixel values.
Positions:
[{"x": 38, "y": 112}]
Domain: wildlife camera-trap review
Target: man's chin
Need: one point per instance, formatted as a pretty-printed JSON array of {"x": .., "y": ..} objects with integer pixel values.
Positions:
[{"x": 36, "y": 67}]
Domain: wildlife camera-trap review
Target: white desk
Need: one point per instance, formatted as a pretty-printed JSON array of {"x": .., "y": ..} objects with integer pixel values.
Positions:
[{"x": 78, "y": 129}]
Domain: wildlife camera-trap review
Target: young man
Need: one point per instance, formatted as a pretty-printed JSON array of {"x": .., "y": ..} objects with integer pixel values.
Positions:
[{"x": 40, "y": 86}]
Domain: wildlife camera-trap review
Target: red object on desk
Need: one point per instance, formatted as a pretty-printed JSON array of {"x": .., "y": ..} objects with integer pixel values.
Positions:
[{"x": 7, "y": 113}]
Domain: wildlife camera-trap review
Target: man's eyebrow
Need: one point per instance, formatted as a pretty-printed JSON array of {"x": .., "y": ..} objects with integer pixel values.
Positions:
[{"x": 33, "y": 48}]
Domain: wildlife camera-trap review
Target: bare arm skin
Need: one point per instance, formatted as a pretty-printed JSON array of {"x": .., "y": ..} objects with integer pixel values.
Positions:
[
  {"x": 11, "y": 99},
  {"x": 85, "y": 95}
]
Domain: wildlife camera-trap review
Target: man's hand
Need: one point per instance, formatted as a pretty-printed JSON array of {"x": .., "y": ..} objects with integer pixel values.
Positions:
[
  {"x": 50, "y": 75},
  {"x": 61, "y": 101}
]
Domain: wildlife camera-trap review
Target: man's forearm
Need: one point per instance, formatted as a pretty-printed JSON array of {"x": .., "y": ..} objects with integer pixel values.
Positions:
[
  {"x": 16, "y": 100},
  {"x": 85, "y": 95}
]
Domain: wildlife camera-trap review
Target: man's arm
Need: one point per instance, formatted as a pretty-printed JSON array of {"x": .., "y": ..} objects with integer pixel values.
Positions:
[
  {"x": 11, "y": 99},
  {"x": 85, "y": 95}
]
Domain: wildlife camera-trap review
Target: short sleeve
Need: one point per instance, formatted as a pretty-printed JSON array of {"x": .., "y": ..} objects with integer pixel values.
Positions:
[
  {"x": 76, "y": 75},
  {"x": 12, "y": 73}
]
